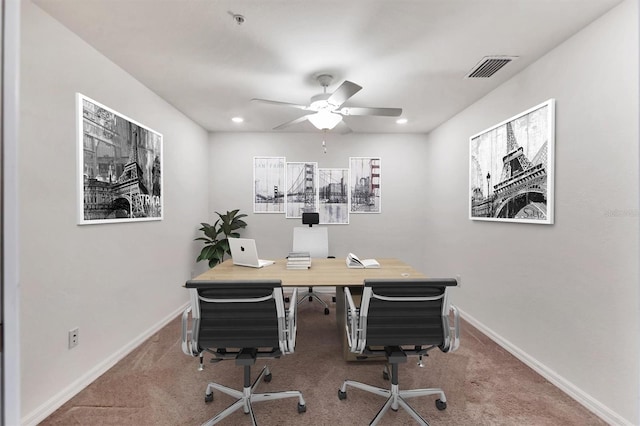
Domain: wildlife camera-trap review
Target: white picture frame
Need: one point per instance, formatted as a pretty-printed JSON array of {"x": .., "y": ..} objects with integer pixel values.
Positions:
[
  {"x": 119, "y": 166},
  {"x": 301, "y": 183},
  {"x": 511, "y": 168},
  {"x": 268, "y": 184},
  {"x": 365, "y": 185},
  {"x": 333, "y": 192}
]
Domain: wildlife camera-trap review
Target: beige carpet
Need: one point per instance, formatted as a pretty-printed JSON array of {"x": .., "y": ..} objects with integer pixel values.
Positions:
[{"x": 158, "y": 385}]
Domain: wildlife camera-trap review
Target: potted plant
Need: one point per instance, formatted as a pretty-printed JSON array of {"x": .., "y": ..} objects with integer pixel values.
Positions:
[{"x": 216, "y": 243}]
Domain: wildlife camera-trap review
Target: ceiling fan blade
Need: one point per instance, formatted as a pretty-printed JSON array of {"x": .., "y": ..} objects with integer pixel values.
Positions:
[
  {"x": 292, "y": 122},
  {"x": 346, "y": 90},
  {"x": 267, "y": 101},
  {"x": 386, "y": 112},
  {"x": 342, "y": 128}
]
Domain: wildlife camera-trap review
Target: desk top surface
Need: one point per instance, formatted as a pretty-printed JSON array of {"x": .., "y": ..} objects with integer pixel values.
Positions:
[{"x": 323, "y": 272}]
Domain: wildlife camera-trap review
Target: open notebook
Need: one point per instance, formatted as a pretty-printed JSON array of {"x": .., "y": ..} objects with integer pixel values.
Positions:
[
  {"x": 354, "y": 261},
  {"x": 244, "y": 253}
]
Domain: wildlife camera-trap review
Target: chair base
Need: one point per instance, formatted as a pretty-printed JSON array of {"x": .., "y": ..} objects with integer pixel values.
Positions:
[
  {"x": 313, "y": 295},
  {"x": 247, "y": 397},
  {"x": 396, "y": 397}
]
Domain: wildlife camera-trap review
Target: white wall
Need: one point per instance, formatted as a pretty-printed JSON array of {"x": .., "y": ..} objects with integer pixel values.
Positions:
[
  {"x": 566, "y": 300},
  {"x": 394, "y": 233},
  {"x": 564, "y": 296},
  {"x": 11, "y": 290},
  {"x": 116, "y": 282}
]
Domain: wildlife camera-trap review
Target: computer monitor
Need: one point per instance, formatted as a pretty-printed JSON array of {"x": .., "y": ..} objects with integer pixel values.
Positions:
[{"x": 310, "y": 219}]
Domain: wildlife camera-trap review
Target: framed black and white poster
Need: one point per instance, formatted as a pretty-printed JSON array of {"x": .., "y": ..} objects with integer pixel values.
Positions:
[
  {"x": 119, "y": 166},
  {"x": 334, "y": 196},
  {"x": 365, "y": 185},
  {"x": 301, "y": 183},
  {"x": 268, "y": 184},
  {"x": 511, "y": 168}
]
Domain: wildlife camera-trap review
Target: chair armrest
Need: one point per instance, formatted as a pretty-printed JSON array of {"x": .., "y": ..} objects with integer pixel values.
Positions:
[
  {"x": 291, "y": 326},
  {"x": 187, "y": 342},
  {"x": 351, "y": 320},
  {"x": 455, "y": 330}
]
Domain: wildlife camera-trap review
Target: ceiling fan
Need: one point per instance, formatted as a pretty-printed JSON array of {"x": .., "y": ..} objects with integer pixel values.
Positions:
[{"x": 326, "y": 110}]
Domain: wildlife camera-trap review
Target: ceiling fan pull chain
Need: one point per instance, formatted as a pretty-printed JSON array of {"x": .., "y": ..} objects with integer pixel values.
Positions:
[{"x": 324, "y": 143}]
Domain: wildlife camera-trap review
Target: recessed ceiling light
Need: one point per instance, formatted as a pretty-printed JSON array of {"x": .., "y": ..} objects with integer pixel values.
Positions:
[
  {"x": 237, "y": 119},
  {"x": 401, "y": 121}
]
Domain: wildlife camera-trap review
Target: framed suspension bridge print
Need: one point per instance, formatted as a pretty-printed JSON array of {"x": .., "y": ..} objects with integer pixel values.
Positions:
[
  {"x": 365, "y": 184},
  {"x": 268, "y": 184},
  {"x": 301, "y": 185},
  {"x": 119, "y": 166},
  {"x": 511, "y": 168}
]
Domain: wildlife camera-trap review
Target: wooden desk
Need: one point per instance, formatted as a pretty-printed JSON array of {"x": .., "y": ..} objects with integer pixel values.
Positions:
[{"x": 323, "y": 273}]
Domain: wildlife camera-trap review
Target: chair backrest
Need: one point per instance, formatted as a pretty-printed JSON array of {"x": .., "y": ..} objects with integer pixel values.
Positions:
[
  {"x": 314, "y": 240},
  {"x": 405, "y": 312},
  {"x": 238, "y": 314}
]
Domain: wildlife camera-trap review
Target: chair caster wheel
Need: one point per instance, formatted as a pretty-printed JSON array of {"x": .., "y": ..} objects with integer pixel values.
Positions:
[
  {"x": 302, "y": 408},
  {"x": 287, "y": 299},
  {"x": 268, "y": 377},
  {"x": 333, "y": 299},
  {"x": 441, "y": 405},
  {"x": 310, "y": 299},
  {"x": 342, "y": 395},
  {"x": 385, "y": 375},
  {"x": 208, "y": 398},
  {"x": 326, "y": 311}
]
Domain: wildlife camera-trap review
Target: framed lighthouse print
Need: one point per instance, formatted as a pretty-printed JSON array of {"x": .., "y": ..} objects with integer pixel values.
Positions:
[
  {"x": 511, "y": 168},
  {"x": 119, "y": 166}
]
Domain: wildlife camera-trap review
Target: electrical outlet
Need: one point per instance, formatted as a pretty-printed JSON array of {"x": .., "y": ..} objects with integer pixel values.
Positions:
[
  {"x": 73, "y": 337},
  {"x": 459, "y": 279}
]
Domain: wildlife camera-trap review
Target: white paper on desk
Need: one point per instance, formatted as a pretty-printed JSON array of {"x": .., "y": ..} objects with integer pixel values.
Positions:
[{"x": 354, "y": 261}]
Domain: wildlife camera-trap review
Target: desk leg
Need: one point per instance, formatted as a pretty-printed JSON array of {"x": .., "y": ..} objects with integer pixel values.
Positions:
[{"x": 340, "y": 310}]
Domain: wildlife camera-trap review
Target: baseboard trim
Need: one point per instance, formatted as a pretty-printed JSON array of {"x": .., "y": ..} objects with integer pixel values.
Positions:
[
  {"x": 73, "y": 389},
  {"x": 593, "y": 405}
]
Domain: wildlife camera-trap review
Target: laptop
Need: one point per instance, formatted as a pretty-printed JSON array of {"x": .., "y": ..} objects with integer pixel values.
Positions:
[{"x": 244, "y": 253}]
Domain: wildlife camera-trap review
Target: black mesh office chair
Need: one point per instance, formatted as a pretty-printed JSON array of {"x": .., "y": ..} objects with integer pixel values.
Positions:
[
  {"x": 242, "y": 321},
  {"x": 397, "y": 318}
]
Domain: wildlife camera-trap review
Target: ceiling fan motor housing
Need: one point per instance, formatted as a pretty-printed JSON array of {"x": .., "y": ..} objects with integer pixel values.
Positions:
[{"x": 319, "y": 102}]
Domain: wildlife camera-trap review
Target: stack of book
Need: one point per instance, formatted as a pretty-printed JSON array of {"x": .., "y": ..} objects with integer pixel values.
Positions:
[{"x": 299, "y": 260}]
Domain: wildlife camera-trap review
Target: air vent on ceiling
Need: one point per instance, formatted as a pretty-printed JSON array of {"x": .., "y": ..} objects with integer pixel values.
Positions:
[{"x": 489, "y": 65}]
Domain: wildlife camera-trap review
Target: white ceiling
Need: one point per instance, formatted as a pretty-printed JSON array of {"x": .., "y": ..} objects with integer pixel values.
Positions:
[{"x": 409, "y": 54}]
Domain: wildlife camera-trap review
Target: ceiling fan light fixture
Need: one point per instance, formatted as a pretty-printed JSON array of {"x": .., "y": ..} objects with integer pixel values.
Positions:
[{"x": 324, "y": 120}]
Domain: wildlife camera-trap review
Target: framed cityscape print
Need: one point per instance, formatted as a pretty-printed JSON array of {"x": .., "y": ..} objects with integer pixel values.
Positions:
[
  {"x": 365, "y": 184},
  {"x": 511, "y": 168},
  {"x": 333, "y": 196},
  {"x": 268, "y": 184},
  {"x": 301, "y": 188},
  {"x": 119, "y": 166}
]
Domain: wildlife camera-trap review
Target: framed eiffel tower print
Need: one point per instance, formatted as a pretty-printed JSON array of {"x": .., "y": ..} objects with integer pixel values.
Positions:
[
  {"x": 119, "y": 166},
  {"x": 511, "y": 168}
]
